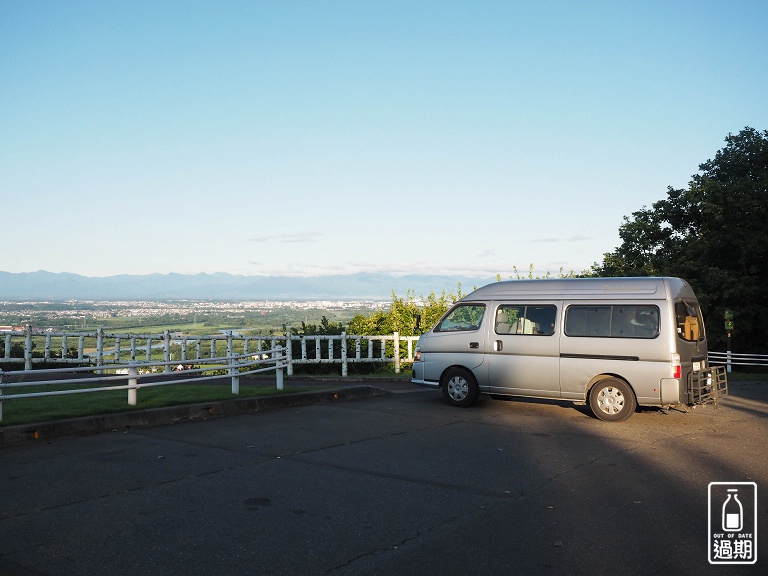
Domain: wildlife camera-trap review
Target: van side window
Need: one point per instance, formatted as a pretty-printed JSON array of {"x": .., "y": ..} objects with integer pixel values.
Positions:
[
  {"x": 462, "y": 317},
  {"x": 521, "y": 319},
  {"x": 614, "y": 321},
  {"x": 688, "y": 325}
]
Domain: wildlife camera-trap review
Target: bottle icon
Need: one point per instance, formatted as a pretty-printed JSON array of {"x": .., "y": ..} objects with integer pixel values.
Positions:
[{"x": 733, "y": 512}]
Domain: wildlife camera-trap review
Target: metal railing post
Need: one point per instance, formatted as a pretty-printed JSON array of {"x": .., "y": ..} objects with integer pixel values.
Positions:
[
  {"x": 100, "y": 349},
  {"x": 289, "y": 352},
  {"x": 133, "y": 382},
  {"x": 344, "y": 367},
  {"x": 28, "y": 347},
  {"x": 279, "y": 367},
  {"x": 234, "y": 373},
  {"x": 167, "y": 349},
  {"x": 397, "y": 352}
]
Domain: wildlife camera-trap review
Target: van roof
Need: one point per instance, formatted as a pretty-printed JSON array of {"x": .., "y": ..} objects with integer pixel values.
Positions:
[{"x": 645, "y": 288}]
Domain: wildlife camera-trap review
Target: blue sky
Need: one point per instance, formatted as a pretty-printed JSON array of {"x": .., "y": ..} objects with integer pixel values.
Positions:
[{"x": 332, "y": 137}]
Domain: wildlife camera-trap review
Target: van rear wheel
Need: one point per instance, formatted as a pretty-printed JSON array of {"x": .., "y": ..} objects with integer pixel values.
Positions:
[
  {"x": 459, "y": 387},
  {"x": 612, "y": 400}
]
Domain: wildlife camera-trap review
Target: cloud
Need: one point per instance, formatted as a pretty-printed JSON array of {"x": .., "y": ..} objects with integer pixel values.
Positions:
[
  {"x": 288, "y": 238},
  {"x": 574, "y": 238}
]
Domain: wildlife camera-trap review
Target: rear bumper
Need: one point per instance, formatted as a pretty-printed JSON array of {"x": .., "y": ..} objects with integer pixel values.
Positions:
[{"x": 672, "y": 392}]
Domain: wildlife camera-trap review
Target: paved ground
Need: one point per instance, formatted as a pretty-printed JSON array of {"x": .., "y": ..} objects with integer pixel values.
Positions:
[{"x": 393, "y": 484}]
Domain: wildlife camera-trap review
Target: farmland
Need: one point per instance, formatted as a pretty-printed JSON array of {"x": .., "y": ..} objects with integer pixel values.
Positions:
[{"x": 189, "y": 316}]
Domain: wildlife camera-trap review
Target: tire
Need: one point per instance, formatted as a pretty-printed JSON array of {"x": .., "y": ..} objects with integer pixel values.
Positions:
[
  {"x": 459, "y": 387},
  {"x": 612, "y": 400}
]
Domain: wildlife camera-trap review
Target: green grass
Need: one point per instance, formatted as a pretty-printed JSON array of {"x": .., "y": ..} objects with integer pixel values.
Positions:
[
  {"x": 47, "y": 408},
  {"x": 198, "y": 329}
]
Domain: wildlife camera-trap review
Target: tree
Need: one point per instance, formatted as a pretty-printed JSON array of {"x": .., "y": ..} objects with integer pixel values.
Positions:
[
  {"x": 326, "y": 328},
  {"x": 401, "y": 316},
  {"x": 530, "y": 276},
  {"x": 714, "y": 235}
]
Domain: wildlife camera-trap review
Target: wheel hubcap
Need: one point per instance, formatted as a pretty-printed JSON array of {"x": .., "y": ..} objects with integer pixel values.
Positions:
[
  {"x": 610, "y": 400},
  {"x": 458, "y": 388}
]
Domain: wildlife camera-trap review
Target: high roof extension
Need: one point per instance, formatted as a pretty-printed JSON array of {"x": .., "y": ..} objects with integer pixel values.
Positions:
[{"x": 641, "y": 288}]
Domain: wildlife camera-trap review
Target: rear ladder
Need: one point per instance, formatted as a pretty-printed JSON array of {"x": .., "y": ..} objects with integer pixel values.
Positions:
[{"x": 706, "y": 386}]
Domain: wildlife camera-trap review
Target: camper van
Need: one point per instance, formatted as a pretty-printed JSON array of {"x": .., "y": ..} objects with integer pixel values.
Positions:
[{"x": 615, "y": 343}]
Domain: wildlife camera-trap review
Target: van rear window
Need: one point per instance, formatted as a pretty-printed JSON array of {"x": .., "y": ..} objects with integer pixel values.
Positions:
[
  {"x": 688, "y": 318},
  {"x": 616, "y": 321}
]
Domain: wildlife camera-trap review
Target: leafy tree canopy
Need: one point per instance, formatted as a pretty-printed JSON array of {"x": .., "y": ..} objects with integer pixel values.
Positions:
[
  {"x": 401, "y": 316},
  {"x": 714, "y": 235},
  {"x": 325, "y": 328}
]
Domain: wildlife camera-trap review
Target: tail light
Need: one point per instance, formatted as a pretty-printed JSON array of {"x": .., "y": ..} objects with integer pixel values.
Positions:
[
  {"x": 417, "y": 355},
  {"x": 677, "y": 369}
]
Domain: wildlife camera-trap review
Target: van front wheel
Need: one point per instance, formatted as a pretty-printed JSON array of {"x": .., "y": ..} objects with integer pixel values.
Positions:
[
  {"x": 612, "y": 400},
  {"x": 459, "y": 387}
]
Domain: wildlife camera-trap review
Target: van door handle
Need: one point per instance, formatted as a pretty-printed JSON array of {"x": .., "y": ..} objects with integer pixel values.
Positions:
[
  {"x": 498, "y": 345},
  {"x": 474, "y": 344}
]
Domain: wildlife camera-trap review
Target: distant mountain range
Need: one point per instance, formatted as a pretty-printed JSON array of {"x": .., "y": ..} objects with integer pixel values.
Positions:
[{"x": 362, "y": 286}]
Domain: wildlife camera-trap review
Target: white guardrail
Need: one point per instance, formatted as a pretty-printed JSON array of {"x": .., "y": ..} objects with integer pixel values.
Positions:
[
  {"x": 733, "y": 359},
  {"x": 135, "y": 375},
  {"x": 101, "y": 348},
  {"x": 111, "y": 357}
]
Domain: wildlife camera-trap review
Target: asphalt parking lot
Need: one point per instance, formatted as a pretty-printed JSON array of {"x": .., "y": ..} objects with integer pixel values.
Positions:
[{"x": 394, "y": 484}]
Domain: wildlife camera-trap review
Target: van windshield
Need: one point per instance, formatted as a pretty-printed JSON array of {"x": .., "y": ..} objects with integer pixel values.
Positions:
[
  {"x": 689, "y": 324},
  {"x": 462, "y": 317}
]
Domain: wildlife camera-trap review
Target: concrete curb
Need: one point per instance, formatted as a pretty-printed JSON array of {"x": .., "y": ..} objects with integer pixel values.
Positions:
[{"x": 33, "y": 432}]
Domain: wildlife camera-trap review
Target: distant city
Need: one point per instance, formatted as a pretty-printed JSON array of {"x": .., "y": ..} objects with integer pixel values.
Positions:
[
  {"x": 266, "y": 314},
  {"x": 203, "y": 303}
]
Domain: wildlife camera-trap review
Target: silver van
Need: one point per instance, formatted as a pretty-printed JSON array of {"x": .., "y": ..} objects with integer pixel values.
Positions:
[{"x": 615, "y": 343}]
